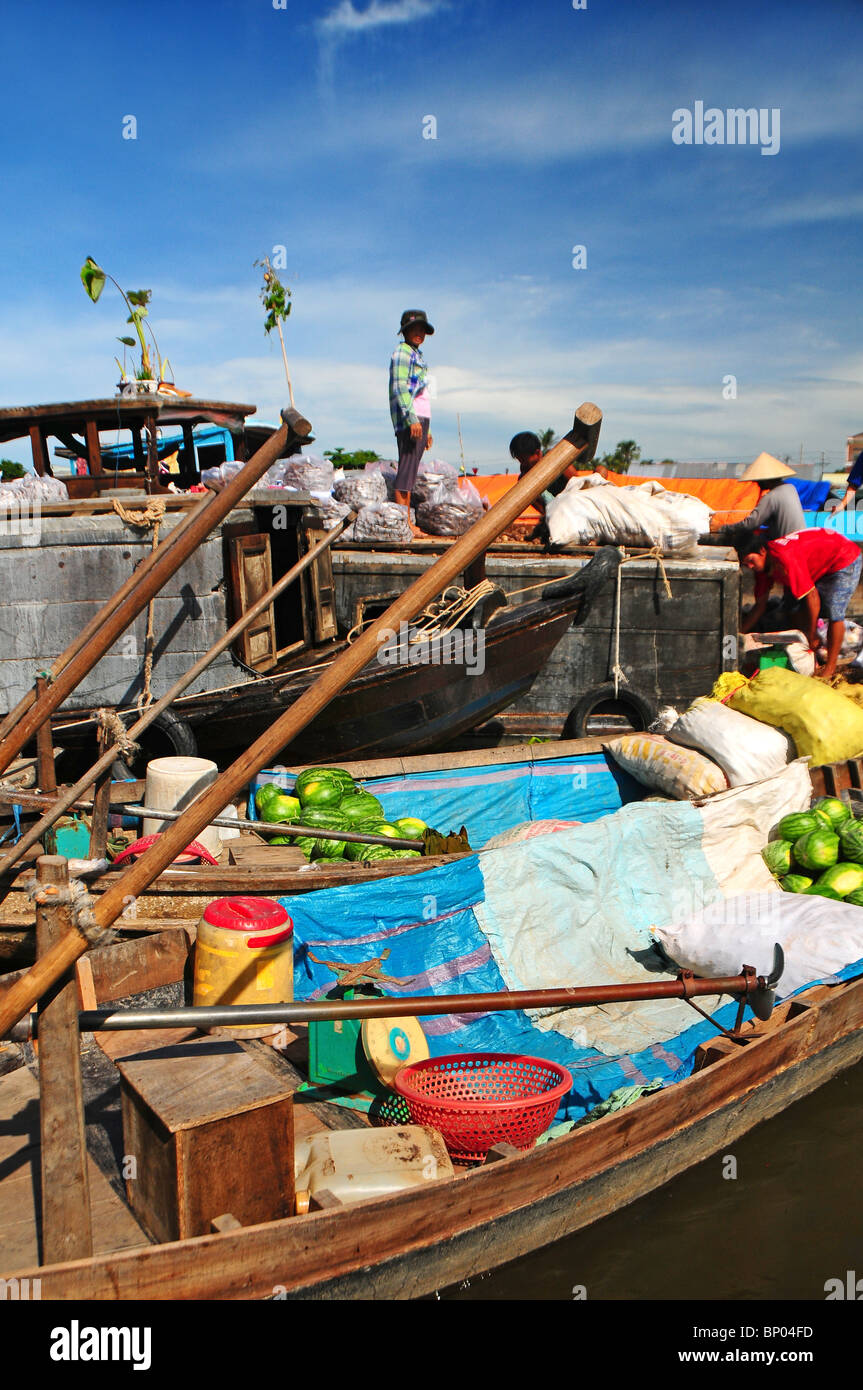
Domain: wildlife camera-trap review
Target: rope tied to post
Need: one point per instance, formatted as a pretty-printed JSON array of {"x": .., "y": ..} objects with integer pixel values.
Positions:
[
  {"x": 115, "y": 731},
  {"x": 80, "y": 905}
]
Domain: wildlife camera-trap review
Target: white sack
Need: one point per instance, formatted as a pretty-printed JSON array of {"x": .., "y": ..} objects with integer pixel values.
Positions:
[
  {"x": 744, "y": 748},
  {"x": 590, "y": 509},
  {"x": 818, "y": 935}
]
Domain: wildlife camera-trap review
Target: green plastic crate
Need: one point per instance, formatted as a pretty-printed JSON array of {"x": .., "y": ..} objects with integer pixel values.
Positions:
[{"x": 774, "y": 656}]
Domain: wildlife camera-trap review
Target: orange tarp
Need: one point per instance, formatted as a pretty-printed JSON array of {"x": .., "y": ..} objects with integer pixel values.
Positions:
[{"x": 723, "y": 494}]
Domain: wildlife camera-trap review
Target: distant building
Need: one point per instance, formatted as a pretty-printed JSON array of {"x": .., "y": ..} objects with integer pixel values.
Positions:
[{"x": 853, "y": 446}]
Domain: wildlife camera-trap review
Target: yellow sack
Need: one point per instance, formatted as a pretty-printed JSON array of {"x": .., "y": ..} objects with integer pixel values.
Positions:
[
  {"x": 726, "y": 684},
  {"x": 664, "y": 767},
  {"x": 825, "y": 726}
]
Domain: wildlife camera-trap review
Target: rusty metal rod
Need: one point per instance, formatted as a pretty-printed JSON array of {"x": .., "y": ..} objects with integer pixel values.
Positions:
[
  {"x": 580, "y": 443},
  {"x": 351, "y": 837},
  {"x": 70, "y": 795},
  {"x": 166, "y": 564},
  {"x": 326, "y": 1010}
]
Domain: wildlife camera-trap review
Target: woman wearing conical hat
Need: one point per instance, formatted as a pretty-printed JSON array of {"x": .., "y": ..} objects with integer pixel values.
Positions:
[{"x": 778, "y": 510}]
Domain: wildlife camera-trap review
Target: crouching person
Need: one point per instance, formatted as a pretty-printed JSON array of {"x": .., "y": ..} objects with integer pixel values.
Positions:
[{"x": 821, "y": 569}]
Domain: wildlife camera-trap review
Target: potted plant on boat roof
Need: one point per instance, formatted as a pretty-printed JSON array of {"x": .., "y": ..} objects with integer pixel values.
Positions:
[{"x": 144, "y": 380}]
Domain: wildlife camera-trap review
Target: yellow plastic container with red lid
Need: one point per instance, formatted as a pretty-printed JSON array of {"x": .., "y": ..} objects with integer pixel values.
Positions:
[{"x": 244, "y": 954}]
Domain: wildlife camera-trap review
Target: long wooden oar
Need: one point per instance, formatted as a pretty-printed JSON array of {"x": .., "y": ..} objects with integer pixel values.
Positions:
[
  {"x": 580, "y": 443},
  {"x": 92, "y": 627},
  {"x": 166, "y": 563},
  {"x": 66, "y": 799},
  {"x": 754, "y": 989}
]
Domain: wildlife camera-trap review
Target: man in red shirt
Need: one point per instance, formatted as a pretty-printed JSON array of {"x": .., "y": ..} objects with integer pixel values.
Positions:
[{"x": 821, "y": 568}]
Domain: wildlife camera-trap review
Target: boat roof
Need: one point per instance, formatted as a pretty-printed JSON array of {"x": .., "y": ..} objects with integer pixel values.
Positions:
[{"x": 120, "y": 412}]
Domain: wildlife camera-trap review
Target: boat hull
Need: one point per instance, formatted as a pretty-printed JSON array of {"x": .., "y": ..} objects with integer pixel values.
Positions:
[{"x": 428, "y": 1238}]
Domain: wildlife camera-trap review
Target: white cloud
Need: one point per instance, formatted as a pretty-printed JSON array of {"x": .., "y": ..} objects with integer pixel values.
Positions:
[{"x": 344, "y": 19}]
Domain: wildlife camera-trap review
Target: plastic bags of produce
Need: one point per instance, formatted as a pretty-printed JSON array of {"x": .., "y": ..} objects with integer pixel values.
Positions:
[
  {"x": 665, "y": 767},
  {"x": 431, "y": 474},
  {"x": 331, "y": 512},
  {"x": 387, "y": 469},
  {"x": 382, "y": 521},
  {"x": 825, "y": 726},
  {"x": 745, "y": 749},
  {"x": 360, "y": 489},
  {"x": 308, "y": 473},
  {"x": 449, "y": 509}
]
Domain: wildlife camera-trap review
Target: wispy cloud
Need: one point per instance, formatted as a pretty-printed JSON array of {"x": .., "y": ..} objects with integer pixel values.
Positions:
[{"x": 345, "y": 19}]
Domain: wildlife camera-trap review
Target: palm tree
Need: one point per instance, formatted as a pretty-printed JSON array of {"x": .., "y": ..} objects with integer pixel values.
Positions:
[{"x": 546, "y": 439}]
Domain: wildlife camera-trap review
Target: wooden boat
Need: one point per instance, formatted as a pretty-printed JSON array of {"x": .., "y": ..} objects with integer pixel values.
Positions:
[{"x": 411, "y": 1243}]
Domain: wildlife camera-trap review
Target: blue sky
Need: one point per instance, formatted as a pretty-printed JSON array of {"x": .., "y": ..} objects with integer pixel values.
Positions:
[{"x": 302, "y": 127}]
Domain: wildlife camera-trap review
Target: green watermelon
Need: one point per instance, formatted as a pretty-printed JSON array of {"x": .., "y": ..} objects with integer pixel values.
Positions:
[
  {"x": 824, "y": 892},
  {"x": 796, "y": 883},
  {"x": 281, "y": 808},
  {"x": 856, "y": 898},
  {"x": 323, "y": 774},
  {"x": 799, "y": 823},
  {"x": 777, "y": 857},
  {"x": 851, "y": 839},
  {"x": 321, "y": 793},
  {"x": 385, "y": 828},
  {"x": 817, "y": 850},
  {"x": 832, "y": 811},
  {"x": 265, "y": 794},
  {"x": 360, "y": 806},
  {"x": 843, "y": 879},
  {"x": 410, "y": 827}
]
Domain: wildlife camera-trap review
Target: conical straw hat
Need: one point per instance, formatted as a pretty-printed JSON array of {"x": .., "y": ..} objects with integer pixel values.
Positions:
[{"x": 764, "y": 468}]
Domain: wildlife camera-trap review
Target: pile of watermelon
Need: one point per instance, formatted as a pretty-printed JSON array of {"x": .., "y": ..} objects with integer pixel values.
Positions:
[
  {"x": 330, "y": 798},
  {"x": 819, "y": 851}
]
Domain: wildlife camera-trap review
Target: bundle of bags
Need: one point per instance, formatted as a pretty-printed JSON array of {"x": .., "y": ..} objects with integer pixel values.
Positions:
[
  {"x": 744, "y": 731},
  {"x": 591, "y": 509}
]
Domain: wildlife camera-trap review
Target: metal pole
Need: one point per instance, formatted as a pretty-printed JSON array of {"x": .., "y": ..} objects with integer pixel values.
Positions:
[{"x": 323, "y": 1010}]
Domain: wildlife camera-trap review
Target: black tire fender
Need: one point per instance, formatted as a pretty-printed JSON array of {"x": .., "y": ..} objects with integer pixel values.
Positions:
[{"x": 640, "y": 711}]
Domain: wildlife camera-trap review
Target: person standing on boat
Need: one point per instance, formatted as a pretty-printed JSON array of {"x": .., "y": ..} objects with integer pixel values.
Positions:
[
  {"x": 778, "y": 509},
  {"x": 410, "y": 403},
  {"x": 822, "y": 570}
]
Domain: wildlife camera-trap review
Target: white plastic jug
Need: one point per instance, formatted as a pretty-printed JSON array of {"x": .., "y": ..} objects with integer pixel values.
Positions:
[{"x": 172, "y": 785}]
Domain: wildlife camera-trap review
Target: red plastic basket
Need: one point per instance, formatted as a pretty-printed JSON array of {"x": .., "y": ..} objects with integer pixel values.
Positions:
[{"x": 478, "y": 1099}]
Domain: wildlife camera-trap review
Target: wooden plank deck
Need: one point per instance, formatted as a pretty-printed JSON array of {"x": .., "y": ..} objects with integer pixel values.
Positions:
[{"x": 114, "y": 1227}]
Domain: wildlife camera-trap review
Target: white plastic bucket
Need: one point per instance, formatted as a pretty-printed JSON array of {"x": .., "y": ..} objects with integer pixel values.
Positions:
[{"x": 172, "y": 785}]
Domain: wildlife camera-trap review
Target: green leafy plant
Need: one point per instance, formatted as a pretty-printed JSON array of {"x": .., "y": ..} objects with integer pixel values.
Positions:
[
  {"x": 276, "y": 299},
  {"x": 10, "y": 470},
  {"x": 93, "y": 279},
  {"x": 341, "y": 458}
]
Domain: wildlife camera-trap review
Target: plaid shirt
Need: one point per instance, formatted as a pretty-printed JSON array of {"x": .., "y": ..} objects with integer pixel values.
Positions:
[{"x": 408, "y": 376}]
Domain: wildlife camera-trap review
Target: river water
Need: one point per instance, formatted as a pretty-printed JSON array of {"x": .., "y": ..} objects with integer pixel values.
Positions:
[{"x": 789, "y": 1221}]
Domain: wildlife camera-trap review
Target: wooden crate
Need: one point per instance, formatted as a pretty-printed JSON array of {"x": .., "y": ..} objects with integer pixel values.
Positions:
[{"x": 206, "y": 1131}]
